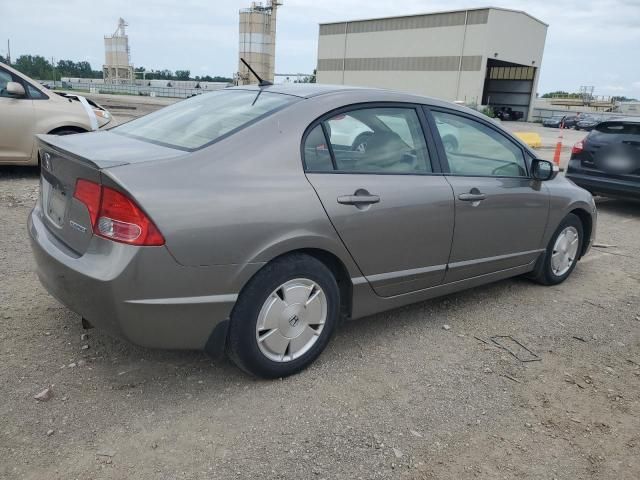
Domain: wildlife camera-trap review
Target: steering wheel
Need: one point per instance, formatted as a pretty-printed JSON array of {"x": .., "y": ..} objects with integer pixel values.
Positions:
[{"x": 497, "y": 169}]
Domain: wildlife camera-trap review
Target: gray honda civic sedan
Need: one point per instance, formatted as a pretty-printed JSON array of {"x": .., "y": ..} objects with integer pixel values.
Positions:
[{"x": 252, "y": 220}]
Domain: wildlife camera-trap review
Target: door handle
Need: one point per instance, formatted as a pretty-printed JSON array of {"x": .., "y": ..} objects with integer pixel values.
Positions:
[
  {"x": 358, "y": 199},
  {"x": 472, "y": 197}
]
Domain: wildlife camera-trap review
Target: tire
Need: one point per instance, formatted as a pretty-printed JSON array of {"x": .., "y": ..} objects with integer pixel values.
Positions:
[
  {"x": 279, "y": 305},
  {"x": 360, "y": 143},
  {"x": 547, "y": 272}
]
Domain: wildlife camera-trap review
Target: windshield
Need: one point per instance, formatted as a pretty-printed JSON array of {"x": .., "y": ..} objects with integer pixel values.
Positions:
[{"x": 201, "y": 120}]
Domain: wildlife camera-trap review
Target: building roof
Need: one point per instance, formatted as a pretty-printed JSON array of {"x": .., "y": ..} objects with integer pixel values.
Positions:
[{"x": 438, "y": 13}]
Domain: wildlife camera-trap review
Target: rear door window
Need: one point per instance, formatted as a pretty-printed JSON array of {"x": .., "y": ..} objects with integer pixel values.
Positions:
[
  {"x": 377, "y": 140},
  {"x": 317, "y": 157},
  {"x": 619, "y": 128},
  {"x": 199, "y": 121}
]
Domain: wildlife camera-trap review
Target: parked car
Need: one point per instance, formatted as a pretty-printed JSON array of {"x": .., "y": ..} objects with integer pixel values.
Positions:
[
  {"x": 28, "y": 108},
  {"x": 607, "y": 161},
  {"x": 558, "y": 120},
  {"x": 348, "y": 133},
  {"x": 588, "y": 122},
  {"x": 239, "y": 221},
  {"x": 507, "y": 113}
]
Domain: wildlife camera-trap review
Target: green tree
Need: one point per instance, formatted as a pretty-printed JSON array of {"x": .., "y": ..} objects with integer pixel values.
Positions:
[
  {"x": 40, "y": 68},
  {"x": 35, "y": 66},
  {"x": 562, "y": 94},
  {"x": 2, "y": 59},
  {"x": 308, "y": 79},
  {"x": 623, "y": 99}
]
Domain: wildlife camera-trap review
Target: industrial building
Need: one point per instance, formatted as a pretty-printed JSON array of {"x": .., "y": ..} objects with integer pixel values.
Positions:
[
  {"x": 257, "y": 42},
  {"x": 117, "y": 68},
  {"x": 487, "y": 56}
]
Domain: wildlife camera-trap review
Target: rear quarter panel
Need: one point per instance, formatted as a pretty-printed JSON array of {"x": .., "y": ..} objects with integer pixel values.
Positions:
[{"x": 243, "y": 200}]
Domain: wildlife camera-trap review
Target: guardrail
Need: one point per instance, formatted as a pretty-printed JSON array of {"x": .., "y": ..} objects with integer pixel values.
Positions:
[
  {"x": 539, "y": 114},
  {"x": 136, "y": 90}
]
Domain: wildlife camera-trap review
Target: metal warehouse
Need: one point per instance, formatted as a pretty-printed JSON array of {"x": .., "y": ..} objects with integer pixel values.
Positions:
[{"x": 488, "y": 56}]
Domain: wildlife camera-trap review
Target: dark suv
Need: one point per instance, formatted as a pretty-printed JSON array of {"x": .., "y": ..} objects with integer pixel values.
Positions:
[{"x": 607, "y": 161}]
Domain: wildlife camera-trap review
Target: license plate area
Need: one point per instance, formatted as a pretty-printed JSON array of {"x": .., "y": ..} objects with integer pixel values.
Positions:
[{"x": 54, "y": 200}]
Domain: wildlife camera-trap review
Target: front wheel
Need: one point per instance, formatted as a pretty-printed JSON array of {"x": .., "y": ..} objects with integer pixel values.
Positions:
[
  {"x": 284, "y": 317},
  {"x": 562, "y": 252}
]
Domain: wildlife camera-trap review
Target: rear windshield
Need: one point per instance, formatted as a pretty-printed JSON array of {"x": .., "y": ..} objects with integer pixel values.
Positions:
[
  {"x": 201, "y": 120},
  {"x": 619, "y": 128}
]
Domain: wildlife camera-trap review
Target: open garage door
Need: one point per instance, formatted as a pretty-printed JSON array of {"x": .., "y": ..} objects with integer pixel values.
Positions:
[{"x": 508, "y": 88}]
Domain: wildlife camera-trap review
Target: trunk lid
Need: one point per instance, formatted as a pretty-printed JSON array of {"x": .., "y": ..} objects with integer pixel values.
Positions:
[{"x": 65, "y": 159}]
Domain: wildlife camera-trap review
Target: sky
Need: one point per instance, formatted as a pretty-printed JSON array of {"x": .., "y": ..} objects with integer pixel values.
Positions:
[{"x": 589, "y": 42}]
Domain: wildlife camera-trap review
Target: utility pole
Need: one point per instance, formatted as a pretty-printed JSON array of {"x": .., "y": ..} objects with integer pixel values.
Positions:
[
  {"x": 8, "y": 52},
  {"x": 53, "y": 70}
]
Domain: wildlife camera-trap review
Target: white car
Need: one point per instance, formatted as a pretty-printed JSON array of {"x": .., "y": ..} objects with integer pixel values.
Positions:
[
  {"x": 351, "y": 134},
  {"x": 28, "y": 108}
]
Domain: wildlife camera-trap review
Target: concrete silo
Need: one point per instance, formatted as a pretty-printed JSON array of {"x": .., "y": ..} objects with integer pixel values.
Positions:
[
  {"x": 257, "y": 41},
  {"x": 117, "y": 66}
]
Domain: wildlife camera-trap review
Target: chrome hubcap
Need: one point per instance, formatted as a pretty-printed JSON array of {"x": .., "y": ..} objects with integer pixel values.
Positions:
[
  {"x": 362, "y": 147},
  {"x": 565, "y": 251},
  {"x": 291, "y": 320}
]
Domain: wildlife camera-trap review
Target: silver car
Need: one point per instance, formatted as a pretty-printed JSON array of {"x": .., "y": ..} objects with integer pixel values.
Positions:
[{"x": 235, "y": 221}]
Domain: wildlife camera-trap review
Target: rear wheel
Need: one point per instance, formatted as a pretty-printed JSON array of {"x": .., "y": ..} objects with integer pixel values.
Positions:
[
  {"x": 284, "y": 317},
  {"x": 562, "y": 252}
]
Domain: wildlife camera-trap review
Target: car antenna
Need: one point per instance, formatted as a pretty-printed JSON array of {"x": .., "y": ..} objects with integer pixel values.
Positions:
[{"x": 261, "y": 82}]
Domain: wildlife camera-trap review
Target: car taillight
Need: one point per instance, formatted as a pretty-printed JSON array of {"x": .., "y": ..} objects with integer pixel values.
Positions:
[
  {"x": 115, "y": 216},
  {"x": 89, "y": 193},
  {"x": 578, "y": 147}
]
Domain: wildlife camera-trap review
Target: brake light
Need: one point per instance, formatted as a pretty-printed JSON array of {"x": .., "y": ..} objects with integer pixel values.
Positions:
[
  {"x": 115, "y": 216},
  {"x": 89, "y": 194},
  {"x": 578, "y": 147}
]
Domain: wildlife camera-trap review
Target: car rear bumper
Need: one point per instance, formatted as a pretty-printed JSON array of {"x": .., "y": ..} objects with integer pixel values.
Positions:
[
  {"x": 602, "y": 184},
  {"x": 140, "y": 294}
]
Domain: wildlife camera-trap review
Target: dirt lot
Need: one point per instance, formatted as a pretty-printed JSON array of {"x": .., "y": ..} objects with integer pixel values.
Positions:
[{"x": 394, "y": 396}]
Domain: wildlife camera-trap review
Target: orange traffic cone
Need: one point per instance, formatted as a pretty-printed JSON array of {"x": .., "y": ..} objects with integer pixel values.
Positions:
[{"x": 556, "y": 155}]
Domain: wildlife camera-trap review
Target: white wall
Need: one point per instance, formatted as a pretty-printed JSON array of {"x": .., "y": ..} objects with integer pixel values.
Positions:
[{"x": 516, "y": 38}]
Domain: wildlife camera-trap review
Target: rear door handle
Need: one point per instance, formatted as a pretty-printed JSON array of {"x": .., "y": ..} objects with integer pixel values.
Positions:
[
  {"x": 471, "y": 197},
  {"x": 358, "y": 199}
]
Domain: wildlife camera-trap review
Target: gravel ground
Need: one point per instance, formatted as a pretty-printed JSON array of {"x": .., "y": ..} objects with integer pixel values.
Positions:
[{"x": 395, "y": 395}]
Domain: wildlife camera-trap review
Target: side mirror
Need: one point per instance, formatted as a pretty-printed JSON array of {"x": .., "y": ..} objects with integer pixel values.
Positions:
[
  {"x": 543, "y": 170},
  {"x": 15, "y": 89}
]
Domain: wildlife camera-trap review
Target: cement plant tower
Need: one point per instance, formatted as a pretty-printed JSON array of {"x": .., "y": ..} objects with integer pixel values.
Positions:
[
  {"x": 257, "y": 41},
  {"x": 117, "y": 66}
]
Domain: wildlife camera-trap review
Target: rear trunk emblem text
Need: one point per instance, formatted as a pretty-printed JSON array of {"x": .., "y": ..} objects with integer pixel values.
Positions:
[{"x": 77, "y": 226}]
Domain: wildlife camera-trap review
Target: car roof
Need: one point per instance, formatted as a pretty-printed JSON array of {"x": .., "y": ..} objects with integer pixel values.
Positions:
[
  {"x": 623, "y": 119},
  {"x": 310, "y": 90},
  {"x": 367, "y": 94},
  {"x": 304, "y": 90}
]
